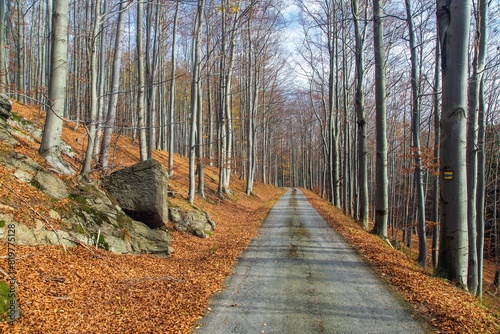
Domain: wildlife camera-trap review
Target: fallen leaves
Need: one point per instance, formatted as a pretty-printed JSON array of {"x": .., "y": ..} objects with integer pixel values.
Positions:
[
  {"x": 446, "y": 307},
  {"x": 84, "y": 291}
]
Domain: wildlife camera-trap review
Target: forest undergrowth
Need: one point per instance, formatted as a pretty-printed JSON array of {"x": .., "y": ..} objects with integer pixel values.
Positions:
[{"x": 85, "y": 290}]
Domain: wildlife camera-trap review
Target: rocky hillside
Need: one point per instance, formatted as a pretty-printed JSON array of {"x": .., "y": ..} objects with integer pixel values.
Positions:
[{"x": 66, "y": 269}]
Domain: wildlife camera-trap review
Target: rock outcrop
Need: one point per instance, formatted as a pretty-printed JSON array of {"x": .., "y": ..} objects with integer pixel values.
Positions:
[
  {"x": 90, "y": 216},
  {"x": 5, "y": 106},
  {"x": 192, "y": 221},
  {"x": 141, "y": 191}
]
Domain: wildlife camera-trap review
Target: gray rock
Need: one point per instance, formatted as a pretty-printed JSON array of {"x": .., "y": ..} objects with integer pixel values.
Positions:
[
  {"x": 13, "y": 160},
  {"x": 141, "y": 191},
  {"x": 192, "y": 221},
  {"x": 5, "y": 134},
  {"x": 51, "y": 185},
  {"x": 23, "y": 175},
  {"x": 5, "y": 106}
]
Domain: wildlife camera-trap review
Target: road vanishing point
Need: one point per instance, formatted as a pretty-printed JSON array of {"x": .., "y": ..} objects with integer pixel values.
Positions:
[{"x": 299, "y": 276}]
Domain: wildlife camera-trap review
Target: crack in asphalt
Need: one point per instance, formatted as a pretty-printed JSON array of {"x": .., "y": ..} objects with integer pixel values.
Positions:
[{"x": 299, "y": 276}]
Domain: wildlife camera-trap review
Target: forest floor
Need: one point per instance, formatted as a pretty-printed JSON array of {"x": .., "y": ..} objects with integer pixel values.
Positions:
[{"x": 94, "y": 291}]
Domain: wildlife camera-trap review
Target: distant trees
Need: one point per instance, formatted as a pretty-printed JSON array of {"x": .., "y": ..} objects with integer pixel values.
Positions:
[{"x": 311, "y": 112}]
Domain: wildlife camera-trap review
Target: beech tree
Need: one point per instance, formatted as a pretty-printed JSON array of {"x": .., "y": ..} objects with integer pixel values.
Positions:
[
  {"x": 361, "y": 118},
  {"x": 475, "y": 152},
  {"x": 422, "y": 244},
  {"x": 453, "y": 21},
  {"x": 50, "y": 148},
  {"x": 195, "y": 104},
  {"x": 109, "y": 121},
  {"x": 381, "y": 197},
  {"x": 3, "y": 46}
]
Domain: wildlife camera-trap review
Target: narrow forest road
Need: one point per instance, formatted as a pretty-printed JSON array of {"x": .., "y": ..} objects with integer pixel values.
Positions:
[{"x": 299, "y": 276}]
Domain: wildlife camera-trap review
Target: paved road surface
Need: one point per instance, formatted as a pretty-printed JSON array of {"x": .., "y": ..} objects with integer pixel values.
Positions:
[{"x": 299, "y": 276}]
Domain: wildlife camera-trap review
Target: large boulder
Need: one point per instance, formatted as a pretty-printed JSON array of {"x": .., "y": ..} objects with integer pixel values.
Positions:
[{"x": 141, "y": 191}]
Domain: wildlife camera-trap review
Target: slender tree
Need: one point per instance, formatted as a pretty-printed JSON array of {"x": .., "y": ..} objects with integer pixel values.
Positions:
[
  {"x": 109, "y": 121},
  {"x": 475, "y": 152},
  {"x": 172, "y": 86},
  {"x": 422, "y": 244},
  {"x": 141, "y": 82},
  {"x": 94, "y": 98},
  {"x": 3, "y": 46},
  {"x": 195, "y": 95},
  {"x": 359, "y": 102},
  {"x": 437, "y": 134}
]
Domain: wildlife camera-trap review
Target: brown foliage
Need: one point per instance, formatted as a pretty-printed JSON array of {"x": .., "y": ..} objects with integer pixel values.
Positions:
[
  {"x": 94, "y": 291},
  {"x": 444, "y": 306}
]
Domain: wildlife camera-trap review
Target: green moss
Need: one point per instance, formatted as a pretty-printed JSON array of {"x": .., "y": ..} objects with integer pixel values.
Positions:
[
  {"x": 5, "y": 302},
  {"x": 2, "y": 223},
  {"x": 79, "y": 198},
  {"x": 101, "y": 243},
  {"x": 36, "y": 184}
]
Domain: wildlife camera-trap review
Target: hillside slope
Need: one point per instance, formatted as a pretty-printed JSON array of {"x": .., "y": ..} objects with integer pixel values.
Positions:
[
  {"x": 94, "y": 291},
  {"x": 84, "y": 290}
]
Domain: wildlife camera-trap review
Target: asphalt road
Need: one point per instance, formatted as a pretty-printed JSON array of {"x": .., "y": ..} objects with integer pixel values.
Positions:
[{"x": 299, "y": 276}]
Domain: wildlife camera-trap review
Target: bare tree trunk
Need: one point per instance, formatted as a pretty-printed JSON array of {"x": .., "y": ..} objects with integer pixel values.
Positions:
[
  {"x": 91, "y": 129},
  {"x": 109, "y": 121},
  {"x": 171, "y": 106},
  {"x": 195, "y": 86},
  {"x": 361, "y": 121},
  {"x": 475, "y": 150},
  {"x": 3, "y": 46},
  {"x": 50, "y": 148},
  {"x": 437, "y": 134},
  {"x": 21, "y": 54},
  {"x": 381, "y": 197},
  {"x": 141, "y": 82},
  {"x": 422, "y": 242},
  {"x": 454, "y": 24}
]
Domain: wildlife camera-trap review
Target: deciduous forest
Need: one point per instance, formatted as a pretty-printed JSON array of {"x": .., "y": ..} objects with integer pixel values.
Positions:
[{"x": 390, "y": 110}]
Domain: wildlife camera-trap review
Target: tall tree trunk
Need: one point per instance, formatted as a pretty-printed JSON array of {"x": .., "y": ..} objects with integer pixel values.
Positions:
[
  {"x": 141, "y": 82},
  {"x": 172, "y": 87},
  {"x": 437, "y": 134},
  {"x": 195, "y": 86},
  {"x": 50, "y": 148},
  {"x": 109, "y": 121},
  {"x": 422, "y": 244},
  {"x": 21, "y": 54},
  {"x": 475, "y": 152},
  {"x": 454, "y": 24},
  {"x": 3, "y": 46},
  {"x": 361, "y": 121},
  {"x": 91, "y": 129},
  {"x": 381, "y": 197}
]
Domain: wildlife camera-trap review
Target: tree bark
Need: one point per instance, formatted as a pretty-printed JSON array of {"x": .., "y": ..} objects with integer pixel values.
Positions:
[
  {"x": 475, "y": 150},
  {"x": 141, "y": 82},
  {"x": 50, "y": 148},
  {"x": 109, "y": 121},
  {"x": 381, "y": 197},
  {"x": 361, "y": 121},
  {"x": 172, "y": 87},
  {"x": 91, "y": 129},
  {"x": 422, "y": 242},
  {"x": 454, "y": 24},
  {"x": 437, "y": 134},
  {"x": 195, "y": 86}
]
